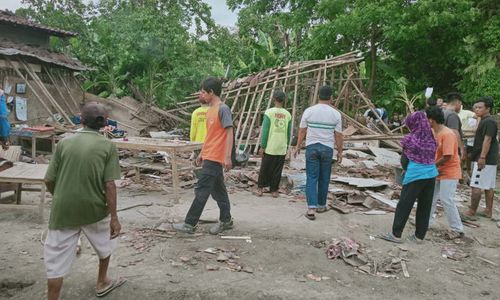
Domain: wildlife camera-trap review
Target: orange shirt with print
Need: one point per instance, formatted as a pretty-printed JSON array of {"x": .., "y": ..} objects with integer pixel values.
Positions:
[
  {"x": 448, "y": 145},
  {"x": 214, "y": 148}
]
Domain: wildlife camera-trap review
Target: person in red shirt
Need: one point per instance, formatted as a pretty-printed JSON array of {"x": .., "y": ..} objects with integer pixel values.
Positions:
[
  {"x": 215, "y": 157},
  {"x": 450, "y": 171}
]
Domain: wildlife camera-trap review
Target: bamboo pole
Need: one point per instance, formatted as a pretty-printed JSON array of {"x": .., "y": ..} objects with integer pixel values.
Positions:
[
  {"x": 68, "y": 90},
  {"x": 32, "y": 88},
  {"x": 301, "y": 73},
  {"x": 242, "y": 115},
  {"x": 45, "y": 91},
  {"x": 294, "y": 106},
  {"x": 370, "y": 103},
  {"x": 268, "y": 105},
  {"x": 63, "y": 99}
]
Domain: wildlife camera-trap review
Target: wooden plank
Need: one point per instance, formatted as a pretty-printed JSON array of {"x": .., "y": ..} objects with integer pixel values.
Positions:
[
  {"x": 33, "y": 90},
  {"x": 156, "y": 144},
  {"x": 56, "y": 86},
  {"x": 47, "y": 93},
  {"x": 240, "y": 138},
  {"x": 22, "y": 172},
  {"x": 68, "y": 90}
]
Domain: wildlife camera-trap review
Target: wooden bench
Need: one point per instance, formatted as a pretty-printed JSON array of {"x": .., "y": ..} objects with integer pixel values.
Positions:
[{"x": 22, "y": 173}]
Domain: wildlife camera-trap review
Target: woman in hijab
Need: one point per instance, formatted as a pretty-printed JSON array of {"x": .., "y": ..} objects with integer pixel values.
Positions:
[{"x": 419, "y": 152}]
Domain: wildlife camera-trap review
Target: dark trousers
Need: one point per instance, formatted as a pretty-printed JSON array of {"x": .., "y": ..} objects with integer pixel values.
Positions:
[
  {"x": 210, "y": 182},
  {"x": 421, "y": 190},
  {"x": 270, "y": 171}
]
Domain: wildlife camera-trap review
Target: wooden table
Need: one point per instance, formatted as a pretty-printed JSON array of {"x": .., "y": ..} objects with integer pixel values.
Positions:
[
  {"x": 171, "y": 147},
  {"x": 34, "y": 135},
  {"x": 22, "y": 173}
]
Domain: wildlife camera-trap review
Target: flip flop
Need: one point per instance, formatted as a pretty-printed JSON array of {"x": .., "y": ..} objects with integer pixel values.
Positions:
[
  {"x": 311, "y": 217},
  {"x": 483, "y": 214},
  {"x": 258, "y": 193},
  {"x": 390, "y": 238},
  {"x": 116, "y": 283},
  {"x": 465, "y": 217},
  {"x": 321, "y": 210}
]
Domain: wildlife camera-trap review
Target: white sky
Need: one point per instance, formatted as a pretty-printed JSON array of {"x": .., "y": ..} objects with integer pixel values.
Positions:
[{"x": 220, "y": 13}]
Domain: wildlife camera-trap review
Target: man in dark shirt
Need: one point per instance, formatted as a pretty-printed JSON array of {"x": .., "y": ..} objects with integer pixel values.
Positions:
[
  {"x": 452, "y": 120},
  {"x": 484, "y": 158}
]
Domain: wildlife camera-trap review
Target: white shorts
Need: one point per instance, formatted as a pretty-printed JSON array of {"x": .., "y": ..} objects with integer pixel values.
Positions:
[
  {"x": 60, "y": 246},
  {"x": 484, "y": 179}
]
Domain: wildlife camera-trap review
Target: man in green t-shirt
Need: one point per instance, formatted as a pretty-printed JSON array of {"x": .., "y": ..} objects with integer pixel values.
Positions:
[
  {"x": 276, "y": 131},
  {"x": 81, "y": 178}
]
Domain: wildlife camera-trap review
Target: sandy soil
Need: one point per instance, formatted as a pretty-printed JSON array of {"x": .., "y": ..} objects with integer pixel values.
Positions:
[{"x": 280, "y": 255}]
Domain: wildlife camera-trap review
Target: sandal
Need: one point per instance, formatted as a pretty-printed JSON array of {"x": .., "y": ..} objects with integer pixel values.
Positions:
[
  {"x": 275, "y": 194},
  {"x": 453, "y": 235},
  {"x": 320, "y": 210},
  {"x": 258, "y": 193},
  {"x": 116, "y": 283},
  {"x": 468, "y": 218},
  {"x": 414, "y": 239},
  {"x": 484, "y": 215},
  {"x": 311, "y": 217},
  {"x": 390, "y": 238}
]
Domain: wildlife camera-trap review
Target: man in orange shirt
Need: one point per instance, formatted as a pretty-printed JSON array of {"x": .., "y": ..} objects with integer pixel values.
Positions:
[
  {"x": 450, "y": 171},
  {"x": 215, "y": 157}
]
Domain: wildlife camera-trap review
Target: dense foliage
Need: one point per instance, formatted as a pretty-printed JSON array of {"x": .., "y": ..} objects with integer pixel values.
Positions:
[{"x": 162, "y": 48}]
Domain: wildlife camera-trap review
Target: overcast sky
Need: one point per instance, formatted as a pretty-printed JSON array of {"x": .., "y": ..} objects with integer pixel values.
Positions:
[{"x": 221, "y": 14}]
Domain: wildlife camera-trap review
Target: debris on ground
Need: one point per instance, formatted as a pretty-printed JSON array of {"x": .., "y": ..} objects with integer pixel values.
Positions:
[
  {"x": 353, "y": 254},
  {"x": 453, "y": 253}
]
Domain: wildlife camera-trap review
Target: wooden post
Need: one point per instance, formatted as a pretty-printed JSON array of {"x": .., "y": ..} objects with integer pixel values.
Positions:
[
  {"x": 44, "y": 90},
  {"x": 51, "y": 114},
  {"x": 247, "y": 119},
  {"x": 242, "y": 115},
  {"x": 63, "y": 99},
  {"x": 294, "y": 105},
  {"x": 68, "y": 90},
  {"x": 175, "y": 176},
  {"x": 257, "y": 110}
]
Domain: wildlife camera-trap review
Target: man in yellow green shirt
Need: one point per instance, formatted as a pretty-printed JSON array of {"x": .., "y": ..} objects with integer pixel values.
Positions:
[
  {"x": 198, "y": 129},
  {"x": 276, "y": 131}
]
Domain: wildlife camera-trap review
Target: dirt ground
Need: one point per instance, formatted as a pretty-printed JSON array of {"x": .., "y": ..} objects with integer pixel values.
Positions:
[{"x": 280, "y": 255}]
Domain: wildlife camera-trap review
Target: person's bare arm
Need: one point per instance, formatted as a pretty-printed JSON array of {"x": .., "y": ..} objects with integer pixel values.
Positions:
[
  {"x": 339, "y": 142},
  {"x": 460, "y": 143},
  {"x": 481, "y": 162},
  {"x": 300, "y": 139},
  {"x": 228, "y": 164},
  {"x": 110, "y": 191},
  {"x": 51, "y": 186},
  {"x": 443, "y": 160}
]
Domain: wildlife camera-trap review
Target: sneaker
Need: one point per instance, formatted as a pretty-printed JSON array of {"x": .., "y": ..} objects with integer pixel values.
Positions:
[
  {"x": 220, "y": 227},
  {"x": 414, "y": 239},
  {"x": 185, "y": 228}
]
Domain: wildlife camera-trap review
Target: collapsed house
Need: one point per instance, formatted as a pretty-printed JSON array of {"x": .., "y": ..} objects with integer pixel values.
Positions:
[
  {"x": 250, "y": 96},
  {"x": 38, "y": 82}
]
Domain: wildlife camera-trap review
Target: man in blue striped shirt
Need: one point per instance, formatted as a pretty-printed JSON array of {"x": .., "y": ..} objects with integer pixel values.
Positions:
[{"x": 321, "y": 125}]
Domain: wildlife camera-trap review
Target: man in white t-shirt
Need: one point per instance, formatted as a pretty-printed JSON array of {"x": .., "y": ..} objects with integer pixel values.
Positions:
[{"x": 321, "y": 125}]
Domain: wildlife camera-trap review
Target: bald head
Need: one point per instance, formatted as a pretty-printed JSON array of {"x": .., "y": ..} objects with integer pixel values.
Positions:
[{"x": 94, "y": 115}]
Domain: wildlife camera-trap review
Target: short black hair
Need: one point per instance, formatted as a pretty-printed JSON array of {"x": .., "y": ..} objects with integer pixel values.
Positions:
[
  {"x": 94, "y": 115},
  {"x": 452, "y": 97},
  {"x": 279, "y": 96},
  {"x": 373, "y": 114},
  {"x": 325, "y": 92},
  {"x": 488, "y": 102},
  {"x": 435, "y": 113},
  {"x": 212, "y": 84},
  {"x": 431, "y": 102}
]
